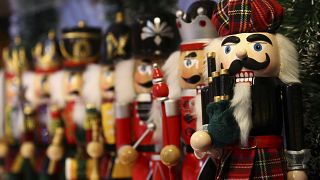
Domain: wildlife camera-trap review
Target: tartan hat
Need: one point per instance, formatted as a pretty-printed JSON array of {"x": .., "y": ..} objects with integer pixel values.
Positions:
[{"x": 246, "y": 16}]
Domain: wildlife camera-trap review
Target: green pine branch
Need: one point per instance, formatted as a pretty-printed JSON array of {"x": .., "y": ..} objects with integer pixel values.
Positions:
[{"x": 301, "y": 25}]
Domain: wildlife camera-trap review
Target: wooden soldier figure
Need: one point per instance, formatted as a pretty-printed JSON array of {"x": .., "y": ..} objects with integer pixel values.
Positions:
[{"x": 246, "y": 125}]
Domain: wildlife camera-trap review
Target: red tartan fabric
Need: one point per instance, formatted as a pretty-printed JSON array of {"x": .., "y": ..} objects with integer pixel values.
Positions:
[
  {"x": 252, "y": 164},
  {"x": 246, "y": 16}
]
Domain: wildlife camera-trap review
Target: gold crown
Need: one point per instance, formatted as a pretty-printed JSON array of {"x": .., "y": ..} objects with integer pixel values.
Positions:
[
  {"x": 47, "y": 54},
  {"x": 15, "y": 57}
]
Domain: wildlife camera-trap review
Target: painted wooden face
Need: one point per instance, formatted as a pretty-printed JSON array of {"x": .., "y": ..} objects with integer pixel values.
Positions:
[
  {"x": 42, "y": 86},
  {"x": 143, "y": 75},
  {"x": 107, "y": 82},
  {"x": 191, "y": 67},
  {"x": 256, "y": 53},
  {"x": 73, "y": 83}
]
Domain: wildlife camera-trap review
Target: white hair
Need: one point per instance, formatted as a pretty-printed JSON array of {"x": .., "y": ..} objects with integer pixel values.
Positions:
[
  {"x": 91, "y": 92},
  {"x": 28, "y": 80},
  {"x": 124, "y": 90},
  {"x": 56, "y": 90},
  {"x": 289, "y": 65},
  {"x": 172, "y": 73}
]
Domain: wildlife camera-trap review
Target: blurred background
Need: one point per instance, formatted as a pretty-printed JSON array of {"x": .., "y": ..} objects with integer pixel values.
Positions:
[{"x": 32, "y": 19}]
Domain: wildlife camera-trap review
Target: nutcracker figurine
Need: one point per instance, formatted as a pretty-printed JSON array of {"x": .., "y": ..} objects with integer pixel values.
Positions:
[
  {"x": 48, "y": 99},
  {"x": 154, "y": 38},
  {"x": 246, "y": 124},
  {"x": 19, "y": 123},
  {"x": 117, "y": 47},
  {"x": 81, "y": 46},
  {"x": 184, "y": 72}
]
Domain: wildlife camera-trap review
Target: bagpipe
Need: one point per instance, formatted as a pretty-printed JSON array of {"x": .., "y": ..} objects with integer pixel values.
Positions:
[{"x": 215, "y": 101}]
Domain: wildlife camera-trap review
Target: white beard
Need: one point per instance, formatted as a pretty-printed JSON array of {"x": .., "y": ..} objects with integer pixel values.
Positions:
[
  {"x": 79, "y": 112},
  {"x": 241, "y": 103}
]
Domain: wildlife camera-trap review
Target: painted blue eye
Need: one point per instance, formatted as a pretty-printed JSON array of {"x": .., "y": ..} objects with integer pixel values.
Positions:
[
  {"x": 188, "y": 63},
  {"x": 257, "y": 47},
  {"x": 227, "y": 49}
]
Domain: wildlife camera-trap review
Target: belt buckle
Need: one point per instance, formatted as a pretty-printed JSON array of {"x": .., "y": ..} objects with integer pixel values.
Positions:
[{"x": 253, "y": 146}]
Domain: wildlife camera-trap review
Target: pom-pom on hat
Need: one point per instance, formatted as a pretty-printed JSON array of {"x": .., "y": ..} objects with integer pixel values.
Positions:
[{"x": 246, "y": 16}]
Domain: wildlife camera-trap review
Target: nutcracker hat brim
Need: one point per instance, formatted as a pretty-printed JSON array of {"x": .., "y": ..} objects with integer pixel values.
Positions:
[
  {"x": 238, "y": 16},
  {"x": 46, "y": 55},
  {"x": 195, "y": 24},
  {"x": 80, "y": 45}
]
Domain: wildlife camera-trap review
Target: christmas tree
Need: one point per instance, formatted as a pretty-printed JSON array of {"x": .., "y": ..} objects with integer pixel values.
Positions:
[{"x": 302, "y": 26}]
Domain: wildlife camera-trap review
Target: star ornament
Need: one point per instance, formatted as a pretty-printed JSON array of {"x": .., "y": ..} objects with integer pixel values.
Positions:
[{"x": 157, "y": 30}]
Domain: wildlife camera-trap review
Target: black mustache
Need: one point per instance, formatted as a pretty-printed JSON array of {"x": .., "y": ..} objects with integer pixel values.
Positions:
[
  {"x": 193, "y": 79},
  {"x": 77, "y": 93},
  {"x": 46, "y": 95},
  {"x": 110, "y": 89},
  {"x": 147, "y": 84},
  {"x": 248, "y": 63}
]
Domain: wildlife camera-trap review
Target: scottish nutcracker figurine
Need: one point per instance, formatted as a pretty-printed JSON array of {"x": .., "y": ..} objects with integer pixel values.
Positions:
[
  {"x": 154, "y": 37},
  {"x": 19, "y": 123},
  {"x": 117, "y": 47},
  {"x": 184, "y": 71},
  {"x": 246, "y": 121},
  {"x": 81, "y": 46},
  {"x": 48, "y": 100}
]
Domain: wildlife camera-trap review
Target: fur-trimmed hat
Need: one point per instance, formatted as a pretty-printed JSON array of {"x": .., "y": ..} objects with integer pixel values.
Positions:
[
  {"x": 238, "y": 16},
  {"x": 154, "y": 35}
]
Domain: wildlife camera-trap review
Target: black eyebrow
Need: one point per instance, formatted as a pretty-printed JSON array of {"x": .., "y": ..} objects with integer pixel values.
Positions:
[
  {"x": 258, "y": 37},
  {"x": 230, "y": 39},
  {"x": 192, "y": 54},
  {"x": 147, "y": 61}
]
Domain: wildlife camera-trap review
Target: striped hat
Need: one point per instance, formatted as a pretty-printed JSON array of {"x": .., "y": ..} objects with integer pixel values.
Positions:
[{"x": 246, "y": 16}]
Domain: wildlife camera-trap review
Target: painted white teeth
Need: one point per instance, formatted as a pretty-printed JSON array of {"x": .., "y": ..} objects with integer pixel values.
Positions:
[
  {"x": 237, "y": 75},
  {"x": 237, "y": 80},
  {"x": 241, "y": 74},
  {"x": 246, "y": 74}
]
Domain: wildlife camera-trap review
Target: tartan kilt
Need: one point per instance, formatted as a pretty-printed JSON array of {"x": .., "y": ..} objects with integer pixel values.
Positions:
[{"x": 252, "y": 164}]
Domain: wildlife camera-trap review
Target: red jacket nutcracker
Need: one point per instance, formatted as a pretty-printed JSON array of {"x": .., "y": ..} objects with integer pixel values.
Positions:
[
  {"x": 47, "y": 99},
  {"x": 184, "y": 71},
  {"x": 117, "y": 47},
  {"x": 18, "y": 113},
  {"x": 81, "y": 46},
  {"x": 154, "y": 37},
  {"x": 266, "y": 96}
]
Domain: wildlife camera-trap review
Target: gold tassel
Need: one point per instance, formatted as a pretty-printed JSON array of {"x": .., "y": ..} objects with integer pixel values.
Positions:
[{"x": 16, "y": 167}]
